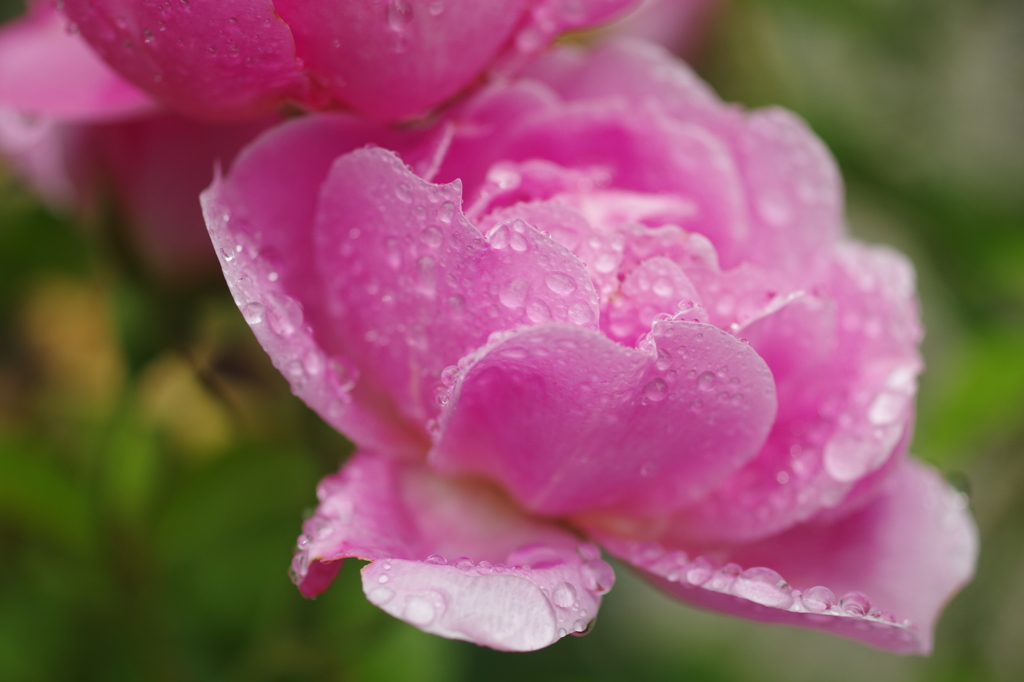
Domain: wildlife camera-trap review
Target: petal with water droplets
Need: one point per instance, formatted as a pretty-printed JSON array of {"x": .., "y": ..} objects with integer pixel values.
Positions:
[
  {"x": 570, "y": 421},
  {"x": 880, "y": 575},
  {"x": 453, "y": 558}
]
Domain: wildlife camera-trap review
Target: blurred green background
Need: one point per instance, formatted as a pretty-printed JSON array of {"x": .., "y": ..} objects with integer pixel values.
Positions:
[{"x": 154, "y": 469}]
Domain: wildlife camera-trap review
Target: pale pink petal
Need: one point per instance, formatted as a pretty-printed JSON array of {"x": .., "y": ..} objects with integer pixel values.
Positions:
[
  {"x": 47, "y": 70},
  {"x": 40, "y": 150},
  {"x": 569, "y": 421},
  {"x": 261, "y": 219},
  {"x": 790, "y": 193},
  {"x": 881, "y": 575},
  {"x": 412, "y": 286},
  {"x": 453, "y": 558},
  {"x": 219, "y": 60}
]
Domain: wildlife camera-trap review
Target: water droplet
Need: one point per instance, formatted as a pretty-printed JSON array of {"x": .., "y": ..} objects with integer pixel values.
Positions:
[
  {"x": 700, "y": 571},
  {"x": 437, "y": 559},
  {"x": 580, "y": 314},
  {"x": 147, "y": 35},
  {"x": 485, "y": 568},
  {"x": 383, "y": 579},
  {"x": 463, "y": 563},
  {"x": 656, "y": 390},
  {"x": 538, "y": 311},
  {"x": 432, "y": 236},
  {"x": 399, "y": 15},
  {"x": 855, "y": 603},
  {"x": 428, "y": 275},
  {"x": 513, "y": 294},
  {"x": 418, "y": 611},
  {"x": 598, "y": 576},
  {"x": 579, "y": 626},
  {"x": 448, "y": 375},
  {"x": 664, "y": 360},
  {"x": 403, "y": 192},
  {"x": 380, "y": 595},
  {"x": 706, "y": 381},
  {"x": 254, "y": 313},
  {"x": 518, "y": 242},
  {"x": 446, "y": 212},
  {"x": 564, "y": 595},
  {"x": 499, "y": 236},
  {"x": 763, "y": 586},
  {"x": 436, "y": 8},
  {"x": 560, "y": 283}
]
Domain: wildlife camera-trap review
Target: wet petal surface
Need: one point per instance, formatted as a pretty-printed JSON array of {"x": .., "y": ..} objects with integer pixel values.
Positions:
[{"x": 453, "y": 558}]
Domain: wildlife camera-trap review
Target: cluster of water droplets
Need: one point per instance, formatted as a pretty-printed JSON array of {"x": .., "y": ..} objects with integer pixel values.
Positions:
[
  {"x": 762, "y": 586},
  {"x": 574, "y": 598}
]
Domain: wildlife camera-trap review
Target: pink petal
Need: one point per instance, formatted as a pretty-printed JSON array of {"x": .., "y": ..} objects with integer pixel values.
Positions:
[
  {"x": 261, "y": 221},
  {"x": 413, "y": 286},
  {"x": 790, "y": 192},
  {"x": 569, "y": 421},
  {"x": 656, "y": 287},
  {"x": 210, "y": 60},
  {"x": 453, "y": 558},
  {"x": 881, "y": 575},
  {"x": 48, "y": 70},
  {"x": 398, "y": 59},
  {"x": 845, "y": 362},
  {"x": 41, "y": 151}
]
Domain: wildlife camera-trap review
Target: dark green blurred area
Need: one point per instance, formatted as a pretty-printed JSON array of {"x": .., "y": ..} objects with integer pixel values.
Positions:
[{"x": 154, "y": 468}]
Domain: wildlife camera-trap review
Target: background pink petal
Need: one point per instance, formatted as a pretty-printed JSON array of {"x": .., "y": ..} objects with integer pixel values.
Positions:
[
  {"x": 221, "y": 60},
  {"x": 569, "y": 421},
  {"x": 47, "y": 70},
  {"x": 881, "y": 575},
  {"x": 453, "y": 558},
  {"x": 393, "y": 60}
]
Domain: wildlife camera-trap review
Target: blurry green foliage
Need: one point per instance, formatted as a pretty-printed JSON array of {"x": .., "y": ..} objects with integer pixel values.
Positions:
[{"x": 128, "y": 552}]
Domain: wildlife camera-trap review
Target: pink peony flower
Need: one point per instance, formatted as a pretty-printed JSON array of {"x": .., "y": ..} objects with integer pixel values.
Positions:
[
  {"x": 595, "y": 306},
  {"x": 72, "y": 127},
  {"x": 385, "y": 59}
]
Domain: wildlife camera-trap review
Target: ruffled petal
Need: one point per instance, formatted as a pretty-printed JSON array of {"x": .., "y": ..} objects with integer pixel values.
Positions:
[
  {"x": 453, "y": 558},
  {"x": 220, "y": 60},
  {"x": 845, "y": 361},
  {"x": 47, "y": 70},
  {"x": 790, "y": 196},
  {"x": 880, "y": 575},
  {"x": 261, "y": 219},
  {"x": 569, "y": 421},
  {"x": 413, "y": 287}
]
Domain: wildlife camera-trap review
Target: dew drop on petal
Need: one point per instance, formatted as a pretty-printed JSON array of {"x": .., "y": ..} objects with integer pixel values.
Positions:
[
  {"x": 855, "y": 603},
  {"x": 380, "y": 595},
  {"x": 560, "y": 283},
  {"x": 819, "y": 599},
  {"x": 656, "y": 390},
  {"x": 418, "y": 611},
  {"x": 564, "y": 595},
  {"x": 254, "y": 312}
]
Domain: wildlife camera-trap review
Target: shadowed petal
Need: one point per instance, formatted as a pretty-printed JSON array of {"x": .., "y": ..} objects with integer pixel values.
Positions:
[
  {"x": 453, "y": 558},
  {"x": 880, "y": 575}
]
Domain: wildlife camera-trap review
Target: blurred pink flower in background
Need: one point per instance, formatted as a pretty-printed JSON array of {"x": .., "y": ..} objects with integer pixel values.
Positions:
[
  {"x": 682, "y": 26},
  {"x": 386, "y": 60},
  {"x": 595, "y": 305},
  {"x": 74, "y": 129}
]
